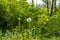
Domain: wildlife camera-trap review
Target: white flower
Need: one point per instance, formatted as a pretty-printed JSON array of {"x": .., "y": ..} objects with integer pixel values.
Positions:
[
  {"x": 18, "y": 18},
  {"x": 29, "y": 19}
]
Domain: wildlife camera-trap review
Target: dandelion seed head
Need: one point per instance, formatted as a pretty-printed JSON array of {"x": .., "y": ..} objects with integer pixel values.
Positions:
[{"x": 29, "y": 19}]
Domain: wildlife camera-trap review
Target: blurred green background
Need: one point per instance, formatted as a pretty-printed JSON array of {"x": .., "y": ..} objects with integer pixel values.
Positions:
[{"x": 20, "y": 20}]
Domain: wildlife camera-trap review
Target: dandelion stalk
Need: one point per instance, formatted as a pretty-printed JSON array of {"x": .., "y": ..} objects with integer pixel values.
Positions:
[
  {"x": 19, "y": 23},
  {"x": 29, "y": 20}
]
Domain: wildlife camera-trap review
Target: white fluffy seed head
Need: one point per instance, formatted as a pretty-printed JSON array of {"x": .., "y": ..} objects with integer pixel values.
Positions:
[
  {"x": 29, "y": 19},
  {"x": 19, "y": 19}
]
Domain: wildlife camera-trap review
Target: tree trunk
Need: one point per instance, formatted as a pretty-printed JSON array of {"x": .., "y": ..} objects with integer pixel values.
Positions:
[
  {"x": 55, "y": 6},
  {"x": 32, "y": 3},
  {"x": 47, "y": 7},
  {"x": 52, "y": 8}
]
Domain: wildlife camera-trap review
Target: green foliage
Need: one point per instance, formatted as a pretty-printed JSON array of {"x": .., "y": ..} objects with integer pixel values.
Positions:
[{"x": 41, "y": 26}]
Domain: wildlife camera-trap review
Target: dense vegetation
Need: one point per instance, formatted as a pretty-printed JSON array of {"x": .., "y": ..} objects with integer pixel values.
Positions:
[{"x": 20, "y": 20}]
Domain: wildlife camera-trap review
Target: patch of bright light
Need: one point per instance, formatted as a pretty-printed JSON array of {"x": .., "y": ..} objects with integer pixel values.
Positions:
[
  {"x": 17, "y": 0},
  {"x": 35, "y": 2}
]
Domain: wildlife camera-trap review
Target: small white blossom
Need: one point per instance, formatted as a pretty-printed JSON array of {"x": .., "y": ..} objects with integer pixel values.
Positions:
[
  {"x": 29, "y": 19},
  {"x": 18, "y": 18}
]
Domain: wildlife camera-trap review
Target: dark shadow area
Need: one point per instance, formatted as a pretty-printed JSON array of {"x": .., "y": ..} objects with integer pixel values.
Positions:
[{"x": 3, "y": 25}]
